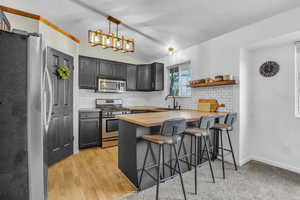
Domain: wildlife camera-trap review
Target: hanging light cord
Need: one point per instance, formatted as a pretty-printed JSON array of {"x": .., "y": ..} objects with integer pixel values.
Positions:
[
  {"x": 109, "y": 26},
  {"x": 117, "y": 30}
]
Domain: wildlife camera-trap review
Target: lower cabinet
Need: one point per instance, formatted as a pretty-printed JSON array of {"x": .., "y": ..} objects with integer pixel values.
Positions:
[{"x": 89, "y": 131}]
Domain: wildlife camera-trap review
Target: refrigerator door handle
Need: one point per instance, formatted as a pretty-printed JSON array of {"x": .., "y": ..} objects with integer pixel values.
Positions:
[{"x": 51, "y": 98}]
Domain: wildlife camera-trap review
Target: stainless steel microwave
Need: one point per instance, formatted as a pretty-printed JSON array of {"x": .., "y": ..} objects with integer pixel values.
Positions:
[{"x": 111, "y": 86}]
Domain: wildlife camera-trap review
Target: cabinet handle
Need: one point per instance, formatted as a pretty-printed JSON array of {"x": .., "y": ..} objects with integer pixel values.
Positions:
[{"x": 56, "y": 149}]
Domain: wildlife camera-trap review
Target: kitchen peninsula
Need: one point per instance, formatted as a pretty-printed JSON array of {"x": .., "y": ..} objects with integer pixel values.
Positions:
[{"x": 132, "y": 148}]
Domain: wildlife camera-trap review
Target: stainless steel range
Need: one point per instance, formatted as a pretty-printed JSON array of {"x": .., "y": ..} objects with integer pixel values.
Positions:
[{"x": 109, "y": 123}]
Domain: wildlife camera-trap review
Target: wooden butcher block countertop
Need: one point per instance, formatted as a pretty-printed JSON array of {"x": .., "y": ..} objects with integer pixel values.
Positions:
[
  {"x": 157, "y": 118},
  {"x": 149, "y": 108}
]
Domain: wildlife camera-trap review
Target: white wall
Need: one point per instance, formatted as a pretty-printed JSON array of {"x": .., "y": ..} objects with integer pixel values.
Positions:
[
  {"x": 274, "y": 128},
  {"x": 224, "y": 55},
  {"x": 23, "y": 23}
]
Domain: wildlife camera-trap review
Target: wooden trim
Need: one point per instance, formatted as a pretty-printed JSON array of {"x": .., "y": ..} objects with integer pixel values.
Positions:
[
  {"x": 45, "y": 21},
  {"x": 41, "y": 19},
  {"x": 19, "y": 12}
]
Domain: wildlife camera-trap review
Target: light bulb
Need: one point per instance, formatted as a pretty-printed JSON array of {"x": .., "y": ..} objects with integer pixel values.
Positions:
[
  {"x": 96, "y": 39},
  {"x": 108, "y": 41},
  {"x": 118, "y": 44},
  {"x": 127, "y": 46}
]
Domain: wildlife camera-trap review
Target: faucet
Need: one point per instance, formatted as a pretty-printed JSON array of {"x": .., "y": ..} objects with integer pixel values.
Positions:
[{"x": 174, "y": 100}]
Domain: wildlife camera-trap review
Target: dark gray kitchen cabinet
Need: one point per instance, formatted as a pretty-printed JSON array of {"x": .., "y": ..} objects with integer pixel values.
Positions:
[
  {"x": 112, "y": 70},
  {"x": 119, "y": 70},
  {"x": 144, "y": 79},
  {"x": 157, "y": 76},
  {"x": 131, "y": 77},
  {"x": 89, "y": 129},
  {"x": 105, "y": 69},
  {"x": 87, "y": 72}
]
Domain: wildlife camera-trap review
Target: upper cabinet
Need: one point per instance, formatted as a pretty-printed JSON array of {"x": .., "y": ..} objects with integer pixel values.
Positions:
[
  {"x": 150, "y": 77},
  {"x": 144, "y": 78},
  {"x": 112, "y": 70},
  {"x": 131, "y": 77},
  {"x": 87, "y": 72},
  {"x": 157, "y": 76},
  {"x": 147, "y": 77}
]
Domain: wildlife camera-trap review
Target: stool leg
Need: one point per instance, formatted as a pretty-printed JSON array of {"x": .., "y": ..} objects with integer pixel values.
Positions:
[
  {"x": 185, "y": 153},
  {"x": 179, "y": 170},
  {"x": 163, "y": 158},
  {"x": 201, "y": 152},
  {"x": 222, "y": 151},
  {"x": 209, "y": 160},
  {"x": 158, "y": 171},
  {"x": 144, "y": 164},
  {"x": 196, "y": 163},
  {"x": 191, "y": 151},
  {"x": 231, "y": 150}
]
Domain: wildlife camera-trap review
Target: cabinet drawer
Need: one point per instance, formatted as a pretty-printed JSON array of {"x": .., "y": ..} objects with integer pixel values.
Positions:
[{"x": 84, "y": 115}]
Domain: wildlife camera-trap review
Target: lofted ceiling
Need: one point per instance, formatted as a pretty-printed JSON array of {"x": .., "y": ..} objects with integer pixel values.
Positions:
[{"x": 175, "y": 23}]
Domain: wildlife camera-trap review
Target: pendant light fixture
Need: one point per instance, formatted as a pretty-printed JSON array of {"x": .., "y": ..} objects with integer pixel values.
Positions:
[
  {"x": 111, "y": 40},
  {"x": 171, "y": 50}
]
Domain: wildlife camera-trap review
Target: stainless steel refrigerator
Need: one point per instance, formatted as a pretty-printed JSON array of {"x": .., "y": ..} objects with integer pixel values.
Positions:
[{"x": 25, "y": 113}]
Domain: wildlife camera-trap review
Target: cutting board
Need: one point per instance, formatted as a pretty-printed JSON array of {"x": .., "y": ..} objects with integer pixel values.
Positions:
[{"x": 209, "y": 105}]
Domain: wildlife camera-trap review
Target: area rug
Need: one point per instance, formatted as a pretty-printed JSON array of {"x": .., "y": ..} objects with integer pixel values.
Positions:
[{"x": 254, "y": 181}]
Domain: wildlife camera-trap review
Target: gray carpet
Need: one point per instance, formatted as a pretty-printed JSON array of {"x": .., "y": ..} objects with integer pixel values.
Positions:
[{"x": 252, "y": 181}]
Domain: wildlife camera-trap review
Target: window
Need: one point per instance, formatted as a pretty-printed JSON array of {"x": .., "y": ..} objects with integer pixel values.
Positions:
[
  {"x": 179, "y": 77},
  {"x": 297, "y": 80}
]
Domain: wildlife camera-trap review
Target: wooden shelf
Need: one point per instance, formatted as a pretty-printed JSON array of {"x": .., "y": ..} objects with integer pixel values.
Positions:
[{"x": 216, "y": 83}]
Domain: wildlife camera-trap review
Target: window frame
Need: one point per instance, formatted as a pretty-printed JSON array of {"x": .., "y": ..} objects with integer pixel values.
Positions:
[{"x": 169, "y": 81}]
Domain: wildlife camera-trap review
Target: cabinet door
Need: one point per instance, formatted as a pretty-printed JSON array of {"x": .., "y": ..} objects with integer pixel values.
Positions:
[
  {"x": 87, "y": 72},
  {"x": 105, "y": 69},
  {"x": 89, "y": 132},
  {"x": 144, "y": 80},
  {"x": 131, "y": 77},
  {"x": 157, "y": 76},
  {"x": 119, "y": 71}
]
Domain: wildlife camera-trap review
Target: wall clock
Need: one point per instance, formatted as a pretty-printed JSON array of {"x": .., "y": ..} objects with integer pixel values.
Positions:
[{"x": 269, "y": 69}]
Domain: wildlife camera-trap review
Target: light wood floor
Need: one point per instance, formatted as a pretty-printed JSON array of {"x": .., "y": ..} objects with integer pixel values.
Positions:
[{"x": 92, "y": 174}]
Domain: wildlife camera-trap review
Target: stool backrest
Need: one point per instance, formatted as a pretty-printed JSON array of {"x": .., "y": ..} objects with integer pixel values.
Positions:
[
  {"x": 173, "y": 127},
  {"x": 207, "y": 122},
  {"x": 230, "y": 118}
]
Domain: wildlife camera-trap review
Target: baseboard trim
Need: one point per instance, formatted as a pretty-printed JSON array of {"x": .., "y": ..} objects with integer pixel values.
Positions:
[
  {"x": 277, "y": 164},
  {"x": 244, "y": 161}
]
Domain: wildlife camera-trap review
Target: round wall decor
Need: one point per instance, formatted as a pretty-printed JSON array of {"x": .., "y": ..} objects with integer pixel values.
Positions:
[{"x": 269, "y": 69}]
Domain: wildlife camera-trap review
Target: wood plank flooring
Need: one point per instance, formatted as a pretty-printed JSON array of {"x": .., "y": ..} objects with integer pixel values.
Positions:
[{"x": 92, "y": 174}]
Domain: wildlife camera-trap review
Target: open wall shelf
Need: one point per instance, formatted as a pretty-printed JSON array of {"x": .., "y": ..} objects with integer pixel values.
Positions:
[{"x": 216, "y": 83}]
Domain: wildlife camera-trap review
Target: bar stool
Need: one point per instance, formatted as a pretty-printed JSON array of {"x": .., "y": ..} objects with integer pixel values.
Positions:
[
  {"x": 170, "y": 134},
  {"x": 221, "y": 128},
  {"x": 199, "y": 133}
]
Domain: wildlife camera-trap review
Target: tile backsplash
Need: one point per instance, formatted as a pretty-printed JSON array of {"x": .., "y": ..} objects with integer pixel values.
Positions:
[{"x": 224, "y": 95}]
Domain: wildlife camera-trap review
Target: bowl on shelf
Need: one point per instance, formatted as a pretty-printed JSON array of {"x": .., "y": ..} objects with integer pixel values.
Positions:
[
  {"x": 218, "y": 78},
  {"x": 226, "y": 77}
]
